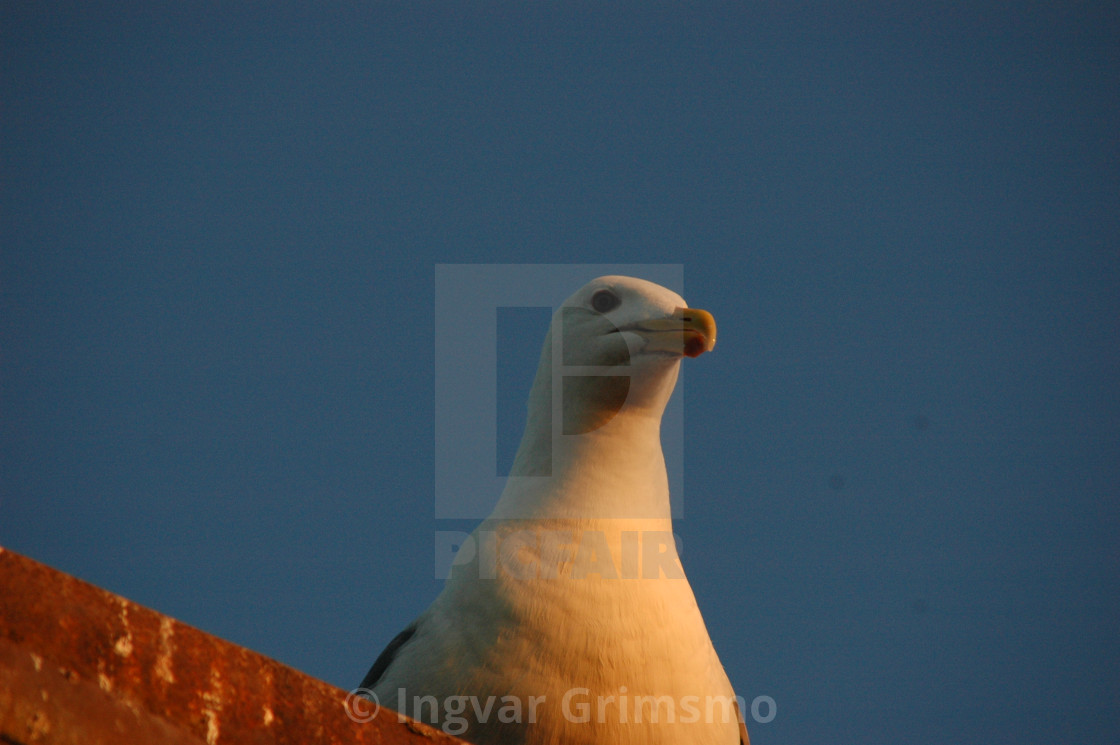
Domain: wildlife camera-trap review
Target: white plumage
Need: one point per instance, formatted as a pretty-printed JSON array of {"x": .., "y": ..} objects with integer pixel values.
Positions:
[{"x": 569, "y": 619}]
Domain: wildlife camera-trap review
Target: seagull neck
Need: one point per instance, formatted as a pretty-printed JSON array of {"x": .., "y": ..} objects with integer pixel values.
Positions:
[
  {"x": 615, "y": 471},
  {"x": 592, "y": 443}
]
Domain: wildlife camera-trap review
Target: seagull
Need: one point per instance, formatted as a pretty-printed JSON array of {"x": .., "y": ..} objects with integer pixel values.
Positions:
[{"x": 567, "y": 617}]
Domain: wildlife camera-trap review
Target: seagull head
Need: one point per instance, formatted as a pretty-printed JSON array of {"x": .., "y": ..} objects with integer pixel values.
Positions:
[
  {"x": 617, "y": 344},
  {"x": 654, "y": 322}
]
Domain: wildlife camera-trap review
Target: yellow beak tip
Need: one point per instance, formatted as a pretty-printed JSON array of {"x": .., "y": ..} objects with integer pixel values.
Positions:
[{"x": 703, "y": 327}]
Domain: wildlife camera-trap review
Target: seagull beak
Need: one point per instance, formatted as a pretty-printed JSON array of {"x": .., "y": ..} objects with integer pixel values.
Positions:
[{"x": 689, "y": 332}]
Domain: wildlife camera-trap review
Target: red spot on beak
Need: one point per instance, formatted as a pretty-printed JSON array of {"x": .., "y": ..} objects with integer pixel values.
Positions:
[{"x": 694, "y": 344}]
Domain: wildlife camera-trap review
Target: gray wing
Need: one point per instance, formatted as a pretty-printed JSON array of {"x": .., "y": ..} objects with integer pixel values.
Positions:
[
  {"x": 381, "y": 664},
  {"x": 743, "y": 738}
]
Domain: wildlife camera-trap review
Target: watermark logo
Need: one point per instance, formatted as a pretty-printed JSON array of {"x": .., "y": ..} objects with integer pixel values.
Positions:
[
  {"x": 362, "y": 705},
  {"x": 455, "y": 714},
  {"x": 536, "y": 553},
  {"x": 771, "y": 709}
]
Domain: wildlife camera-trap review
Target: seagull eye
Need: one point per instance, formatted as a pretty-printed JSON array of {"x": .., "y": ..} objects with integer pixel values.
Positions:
[{"x": 604, "y": 301}]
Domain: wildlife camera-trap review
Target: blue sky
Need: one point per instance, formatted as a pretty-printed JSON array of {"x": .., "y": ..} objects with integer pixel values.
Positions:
[{"x": 219, "y": 233}]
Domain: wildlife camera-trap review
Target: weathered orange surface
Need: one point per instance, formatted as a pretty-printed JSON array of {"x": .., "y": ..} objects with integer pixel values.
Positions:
[{"x": 79, "y": 665}]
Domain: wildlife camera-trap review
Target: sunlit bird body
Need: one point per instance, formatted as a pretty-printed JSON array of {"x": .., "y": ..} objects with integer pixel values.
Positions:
[{"x": 567, "y": 617}]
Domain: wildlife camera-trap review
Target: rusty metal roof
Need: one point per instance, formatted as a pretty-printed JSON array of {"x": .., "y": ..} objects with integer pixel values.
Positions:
[{"x": 80, "y": 665}]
